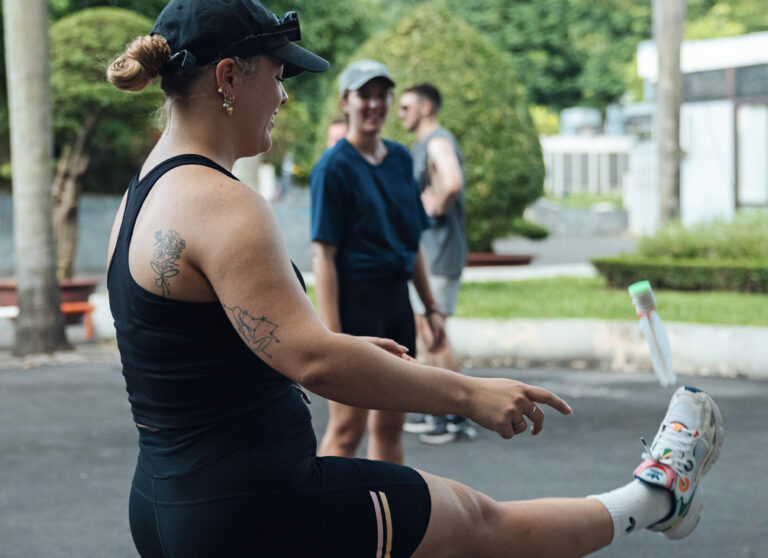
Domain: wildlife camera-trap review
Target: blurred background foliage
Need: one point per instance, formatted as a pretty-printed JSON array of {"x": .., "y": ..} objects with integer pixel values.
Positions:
[{"x": 565, "y": 52}]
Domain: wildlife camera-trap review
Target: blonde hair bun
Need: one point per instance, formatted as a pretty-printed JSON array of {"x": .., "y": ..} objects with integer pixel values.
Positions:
[{"x": 140, "y": 63}]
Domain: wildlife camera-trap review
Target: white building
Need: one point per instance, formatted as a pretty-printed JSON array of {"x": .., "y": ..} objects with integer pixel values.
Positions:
[
  {"x": 723, "y": 125},
  {"x": 723, "y": 136}
]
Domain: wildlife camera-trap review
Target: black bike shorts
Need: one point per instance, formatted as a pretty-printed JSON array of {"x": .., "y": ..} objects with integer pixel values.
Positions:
[{"x": 320, "y": 507}]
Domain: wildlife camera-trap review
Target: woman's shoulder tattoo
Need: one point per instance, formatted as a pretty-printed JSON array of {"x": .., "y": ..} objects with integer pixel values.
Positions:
[{"x": 168, "y": 249}]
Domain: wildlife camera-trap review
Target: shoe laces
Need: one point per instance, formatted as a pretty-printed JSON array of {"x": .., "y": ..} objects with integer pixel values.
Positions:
[{"x": 673, "y": 446}]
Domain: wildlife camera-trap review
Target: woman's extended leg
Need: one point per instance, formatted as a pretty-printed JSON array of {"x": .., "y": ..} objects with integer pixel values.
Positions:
[
  {"x": 466, "y": 523},
  {"x": 345, "y": 430},
  {"x": 663, "y": 497}
]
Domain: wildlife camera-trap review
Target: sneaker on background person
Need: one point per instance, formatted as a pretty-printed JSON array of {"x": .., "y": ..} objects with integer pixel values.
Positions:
[
  {"x": 447, "y": 429},
  {"x": 418, "y": 423}
]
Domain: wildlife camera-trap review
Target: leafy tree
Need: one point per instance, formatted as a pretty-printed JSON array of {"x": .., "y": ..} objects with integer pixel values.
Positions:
[
  {"x": 148, "y": 8},
  {"x": 484, "y": 106},
  {"x": 708, "y": 19},
  {"x": 87, "y": 108},
  {"x": 535, "y": 34},
  {"x": 568, "y": 52},
  {"x": 606, "y": 34}
]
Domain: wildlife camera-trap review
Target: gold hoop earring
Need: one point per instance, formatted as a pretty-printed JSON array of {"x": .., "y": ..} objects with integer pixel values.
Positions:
[{"x": 229, "y": 101}]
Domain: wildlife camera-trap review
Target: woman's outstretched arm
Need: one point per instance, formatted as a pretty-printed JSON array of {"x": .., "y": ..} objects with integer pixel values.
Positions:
[{"x": 243, "y": 256}]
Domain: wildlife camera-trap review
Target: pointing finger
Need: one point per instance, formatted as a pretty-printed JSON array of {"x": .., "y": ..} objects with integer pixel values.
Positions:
[{"x": 541, "y": 395}]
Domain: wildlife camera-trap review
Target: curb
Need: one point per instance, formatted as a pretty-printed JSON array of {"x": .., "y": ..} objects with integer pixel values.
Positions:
[
  {"x": 616, "y": 345},
  {"x": 697, "y": 349}
]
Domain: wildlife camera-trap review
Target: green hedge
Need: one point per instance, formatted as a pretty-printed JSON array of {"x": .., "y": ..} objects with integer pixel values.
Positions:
[
  {"x": 749, "y": 276},
  {"x": 745, "y": 237}
]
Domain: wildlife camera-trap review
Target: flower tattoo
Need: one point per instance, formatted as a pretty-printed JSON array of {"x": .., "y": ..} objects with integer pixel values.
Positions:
[{"x": 168, "y": 249}]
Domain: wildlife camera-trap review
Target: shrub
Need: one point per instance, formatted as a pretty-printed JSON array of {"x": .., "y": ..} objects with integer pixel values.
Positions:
[
  {"x": 745, "y": 237},
  {"x": 686, "y": 274},
  {"x": 529, "y": 229},
  {"x": 484, "y": 105}
]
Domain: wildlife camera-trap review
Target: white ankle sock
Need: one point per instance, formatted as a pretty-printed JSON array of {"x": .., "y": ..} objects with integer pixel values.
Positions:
[{"x": 636, "y": 505}]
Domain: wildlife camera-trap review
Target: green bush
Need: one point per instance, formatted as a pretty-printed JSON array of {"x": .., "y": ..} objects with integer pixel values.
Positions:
[
  {"x": 484, "y": 105},
  {"x": 745, "y": 237},
  {"x": 686, "y": 274},
  {"x": 529, "y": 229}
]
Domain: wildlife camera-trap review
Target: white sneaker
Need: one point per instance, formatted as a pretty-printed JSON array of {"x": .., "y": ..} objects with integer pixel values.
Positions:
[
  {"x": 418, "y": 424},
  {"x": 685, "y": 447},
  {"x": 449, "y": 429}
]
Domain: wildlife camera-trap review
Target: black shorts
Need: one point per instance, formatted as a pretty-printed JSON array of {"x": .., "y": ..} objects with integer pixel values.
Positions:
[
  {"x": 379, "y": 308},
  {"x": 356, "y": 508},
  {"x": 275, "y": 498}
]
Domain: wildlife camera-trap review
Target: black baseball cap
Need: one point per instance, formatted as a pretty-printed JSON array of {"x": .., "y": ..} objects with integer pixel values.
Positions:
[{"x": 201, "y": 32}]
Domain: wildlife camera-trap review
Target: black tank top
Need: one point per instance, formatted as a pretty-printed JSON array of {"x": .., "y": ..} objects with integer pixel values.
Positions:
[{"x": 190, "y": 378}]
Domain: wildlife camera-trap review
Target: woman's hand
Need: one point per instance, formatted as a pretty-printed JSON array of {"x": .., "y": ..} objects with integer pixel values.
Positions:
[
  {"x": 505, "y": 406},
  {"x": 390, "y": 346}
]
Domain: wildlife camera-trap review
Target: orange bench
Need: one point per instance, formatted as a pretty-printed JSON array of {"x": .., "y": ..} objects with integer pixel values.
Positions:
[{"x": 84, "y": 308}]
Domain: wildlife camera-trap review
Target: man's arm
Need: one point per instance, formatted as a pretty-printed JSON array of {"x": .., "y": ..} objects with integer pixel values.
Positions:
[
  {"x": 434, "y": 315},
  {"x": 445, "y": 177}
]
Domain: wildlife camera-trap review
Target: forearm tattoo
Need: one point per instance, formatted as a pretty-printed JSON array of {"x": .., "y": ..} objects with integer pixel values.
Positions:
[
  {"x": 258, "y": 333},
  {"x": 168, "y": 249}
]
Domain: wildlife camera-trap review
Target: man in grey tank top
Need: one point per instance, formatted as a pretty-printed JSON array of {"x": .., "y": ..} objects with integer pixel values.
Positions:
[{"x": 438, "y": 166}]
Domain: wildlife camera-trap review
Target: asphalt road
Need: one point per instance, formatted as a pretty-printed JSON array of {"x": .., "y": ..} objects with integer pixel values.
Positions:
[{"x": 68, "y": 447}]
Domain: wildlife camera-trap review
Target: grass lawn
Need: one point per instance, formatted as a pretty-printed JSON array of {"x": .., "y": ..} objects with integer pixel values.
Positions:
[
  {"x": 589, "y": 298},
  {"x": 583, "y": 200},
  {"x": 566, "y": 297}
]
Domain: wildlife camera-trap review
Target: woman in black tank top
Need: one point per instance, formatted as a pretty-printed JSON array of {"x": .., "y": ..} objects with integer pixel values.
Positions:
[{"x": 217, "y": 340}]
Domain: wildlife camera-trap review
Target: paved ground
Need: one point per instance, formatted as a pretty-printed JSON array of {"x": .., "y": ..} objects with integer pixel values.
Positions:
[{"x": 68, "y": 449}]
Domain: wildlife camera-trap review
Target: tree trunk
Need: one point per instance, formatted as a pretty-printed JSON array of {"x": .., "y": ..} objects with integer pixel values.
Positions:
[
  {"x": 40, "y": 325},
  {"x": 669, "y": 23},
  {"x": 66, "y": 193}
]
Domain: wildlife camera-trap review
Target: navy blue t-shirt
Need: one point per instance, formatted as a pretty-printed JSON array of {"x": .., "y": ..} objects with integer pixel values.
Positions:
[{"x": 371, "y": 213}]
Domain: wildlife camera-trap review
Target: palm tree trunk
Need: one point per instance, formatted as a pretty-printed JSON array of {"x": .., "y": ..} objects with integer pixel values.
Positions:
[{"x": 40, "y": 325}]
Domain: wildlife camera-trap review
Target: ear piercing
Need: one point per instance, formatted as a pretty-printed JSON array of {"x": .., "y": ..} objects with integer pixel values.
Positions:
[{"x": 229, "y": 101}]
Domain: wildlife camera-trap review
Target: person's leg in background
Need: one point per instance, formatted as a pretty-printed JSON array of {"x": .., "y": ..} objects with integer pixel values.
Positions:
[{"x": 439, "y": 429}]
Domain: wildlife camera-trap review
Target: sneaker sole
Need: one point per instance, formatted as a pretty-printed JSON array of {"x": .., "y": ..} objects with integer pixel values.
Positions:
[
  {"x": 417, "y": 427},
  {"x": 438, "y": 439},
  {"x": 465, "y": 433}
]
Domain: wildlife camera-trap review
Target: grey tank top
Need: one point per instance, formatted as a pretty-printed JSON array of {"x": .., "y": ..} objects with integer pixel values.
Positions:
[{"x": 445, "y": 244}]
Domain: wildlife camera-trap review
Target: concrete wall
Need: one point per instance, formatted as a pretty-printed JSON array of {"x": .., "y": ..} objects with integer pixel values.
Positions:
[
  {"x": 98, "y": 212},
  {"x": 566, "y": 221},
  {"x": 96, "y": 215},
  {"x": 641, "y": 189},
  {"x": 707, "y": 189}
]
